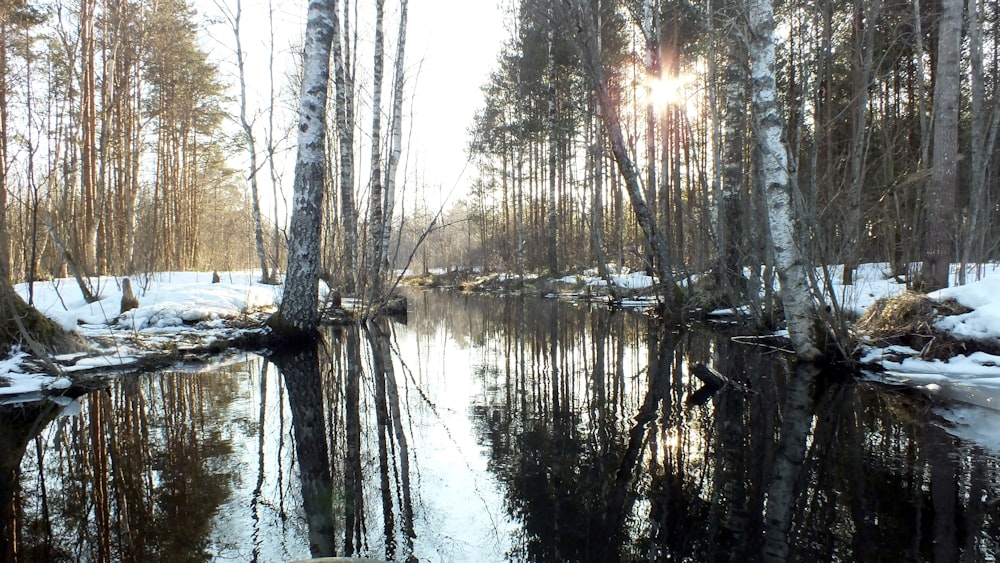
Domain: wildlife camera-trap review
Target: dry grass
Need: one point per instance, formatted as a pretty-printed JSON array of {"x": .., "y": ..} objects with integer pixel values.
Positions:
[{"x": 908, "y": 320}]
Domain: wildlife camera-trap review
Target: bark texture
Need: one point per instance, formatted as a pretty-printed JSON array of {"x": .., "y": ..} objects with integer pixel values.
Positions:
[
  {"x": 942, "y": 190},
  {"x": 796, "y": 294},
  {"x": 299, "y": 311}
]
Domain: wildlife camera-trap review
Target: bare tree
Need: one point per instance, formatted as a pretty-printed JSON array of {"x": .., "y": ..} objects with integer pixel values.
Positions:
[
  {"x": 577, "y": 16},
  {"x": 983, "y": 127},
  {"x": 395, "y": 140},
  {"x": 344, "y": 104},
  {"x": 250, "y": 143},
  {"x": 376, "y": 213}
]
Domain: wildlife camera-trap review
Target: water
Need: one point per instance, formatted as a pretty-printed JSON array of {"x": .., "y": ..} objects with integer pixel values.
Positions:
[{"x": 489, "y": 429}]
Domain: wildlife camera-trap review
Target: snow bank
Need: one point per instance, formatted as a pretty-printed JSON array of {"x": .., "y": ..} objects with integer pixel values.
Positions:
[{"x": 169, "y": 304}]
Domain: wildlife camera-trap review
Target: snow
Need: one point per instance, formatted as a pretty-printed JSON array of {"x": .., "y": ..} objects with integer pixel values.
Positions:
[
  {"x": 185, "y": 308},
  {"x": 176, "y": 309}
]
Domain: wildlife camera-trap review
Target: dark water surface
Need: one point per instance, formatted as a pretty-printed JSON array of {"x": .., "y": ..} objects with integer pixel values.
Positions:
[{"x": 492, "y": 429}]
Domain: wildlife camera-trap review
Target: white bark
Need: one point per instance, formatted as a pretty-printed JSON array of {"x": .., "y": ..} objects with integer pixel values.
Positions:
[
  {"x": 345, "y": 136},
  {"x": 395, "y": 135},
  {"x": 251, "y": 147},
  {"x": 299, "y": 310},
  {"x": 796, "y": 295},
  {"x": 376, "y": 214}
]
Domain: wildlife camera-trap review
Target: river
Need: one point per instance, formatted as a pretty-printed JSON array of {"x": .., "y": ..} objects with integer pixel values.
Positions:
[{"x": 496, "y": 429}]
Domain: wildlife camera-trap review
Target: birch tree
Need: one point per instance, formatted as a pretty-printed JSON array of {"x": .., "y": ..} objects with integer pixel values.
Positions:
[
  {"x": 344, "y": 104},
  {"x": 376, "y": 213},
  {"x": 801, "y": 314},
  {"x": 250, "y": 144},
  {"x": 395, "y": 138},
  {"x": 299, "y": 310}
]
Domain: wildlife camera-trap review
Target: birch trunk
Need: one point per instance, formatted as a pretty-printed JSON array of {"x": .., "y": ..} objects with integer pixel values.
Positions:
[
  {"x": 299, "y": 311},
  {"x": 345, "y": 136},
  {"x": 248, "y": 138},
  {"x": 376, "y": 215},
  {"x": 943, "y": 187},
  {"x": 800, "y": 307},
  {"x": 395, "y": 136}
]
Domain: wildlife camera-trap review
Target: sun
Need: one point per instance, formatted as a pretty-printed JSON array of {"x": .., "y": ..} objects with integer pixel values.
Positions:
[{"x": 665, "y": 91}]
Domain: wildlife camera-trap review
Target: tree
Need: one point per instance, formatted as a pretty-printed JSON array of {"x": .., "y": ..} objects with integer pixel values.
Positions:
[
  {"x": 250, "y": 145},
  {"x": 299, "y": 310},
  {"x": 344, "y": 109},
  {"x": 395, "y": 147},
  {"x": 576, "y": 16},
  {"x": 943, "y": 187},
  {"x": 376, "y": 213},
  {"x": 801, "y": 314}
]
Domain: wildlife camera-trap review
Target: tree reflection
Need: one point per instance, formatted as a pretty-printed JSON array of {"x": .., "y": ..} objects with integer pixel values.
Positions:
[
  {"x": 497, "y": 429},
  {"x": 130, "y": 479},
  {"x": 19, "y": 425},
  {"x": 301, "y": 371},
  {"x": 797, "y": 465}
]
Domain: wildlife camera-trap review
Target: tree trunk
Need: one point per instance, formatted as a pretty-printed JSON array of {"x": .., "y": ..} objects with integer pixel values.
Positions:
[
  {"x": 248, "y": 138},
  {"x": 129, "y": 300},
  {"x": 4, "y": 236},
  {"x": 395, "y": 139},
  {"x": 88, "y": 137},
  {"x": 980, "y": 146},
  {"x": 578, "y": 17},
  {"x": 345, "y": 137},
  {"x": 376, "y": 216},
  {"x": 551, "y": 215},
  {"x": 20, "y": 322},
  {"x": 732, "y": 174},
  {"x": 796, "y": 296},
  {"x": 866, "y": 16},
  {"x": 943, "y": 187},
  {"x": 299, "y": 310},
  {"x": 651, "y": 60}
]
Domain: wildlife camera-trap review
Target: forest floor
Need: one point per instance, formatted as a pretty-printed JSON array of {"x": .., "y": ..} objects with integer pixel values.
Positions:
[{"x": 950, "y": 336}]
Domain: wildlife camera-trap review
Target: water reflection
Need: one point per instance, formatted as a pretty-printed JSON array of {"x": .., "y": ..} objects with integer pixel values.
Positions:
[{"x": 490, "y": 430}]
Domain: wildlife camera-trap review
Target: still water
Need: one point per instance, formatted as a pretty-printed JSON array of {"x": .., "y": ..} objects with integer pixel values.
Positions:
[{"x": 490, "y": 429}]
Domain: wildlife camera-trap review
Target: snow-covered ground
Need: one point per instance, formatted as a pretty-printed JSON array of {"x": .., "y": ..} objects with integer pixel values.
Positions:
[
  {"x": 185, "y": 309},
  {"x": 176, "y": 310}
]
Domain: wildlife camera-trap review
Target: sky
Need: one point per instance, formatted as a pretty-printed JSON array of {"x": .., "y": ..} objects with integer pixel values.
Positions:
[{"x": 452, "y": 46}]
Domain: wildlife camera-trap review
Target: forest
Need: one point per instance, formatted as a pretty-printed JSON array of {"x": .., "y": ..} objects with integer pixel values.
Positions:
[
  {"x": 756, "y": 157},
  {"x": 635, "y": 134}
]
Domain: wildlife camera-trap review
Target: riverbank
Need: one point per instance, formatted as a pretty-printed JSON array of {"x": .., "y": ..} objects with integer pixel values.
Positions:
[
  {"x": 952, "y": 334},
  {"x": 906, "y": 337}
]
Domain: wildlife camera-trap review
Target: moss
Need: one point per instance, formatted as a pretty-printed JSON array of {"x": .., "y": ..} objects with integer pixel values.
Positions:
[{"x": 43, "y": 330}]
